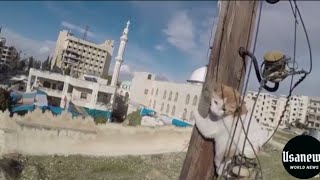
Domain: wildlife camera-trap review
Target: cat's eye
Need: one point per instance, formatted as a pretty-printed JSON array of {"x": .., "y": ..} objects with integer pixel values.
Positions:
[{"x": 215, "y": 102}]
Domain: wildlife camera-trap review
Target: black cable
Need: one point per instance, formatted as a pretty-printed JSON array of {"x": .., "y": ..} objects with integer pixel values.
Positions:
[
  {"x": 294, "y": 43},
  {"x": 300, "y": 80},
  {"x": 306, "y": 33}
]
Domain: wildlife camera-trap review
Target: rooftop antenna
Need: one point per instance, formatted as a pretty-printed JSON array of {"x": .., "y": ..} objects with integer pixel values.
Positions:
[{"x": 85, "y": 33}]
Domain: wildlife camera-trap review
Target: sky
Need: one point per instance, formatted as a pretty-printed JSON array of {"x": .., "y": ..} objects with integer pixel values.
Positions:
[{"x": 169, "y": 38}]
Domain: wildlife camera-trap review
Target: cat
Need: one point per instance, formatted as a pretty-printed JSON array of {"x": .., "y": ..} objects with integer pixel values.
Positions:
[{"x": 220, "y": 122}]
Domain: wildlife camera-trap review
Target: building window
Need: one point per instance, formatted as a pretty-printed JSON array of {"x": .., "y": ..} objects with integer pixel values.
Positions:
[
  {"x": 168, "y": 108},
  {"x": 149, "y": 76},
  {"x": 83, "y": 95},
  {"x": 162, "y": 105},
  {"x": 176, "y": 97},
  {"x": 146, "y": 91},
  {"x": 46, "y": 84},
  {"x": 152, "y": 91},
  {"x": 170, "y": 95},
  {"x": 157, "y": 92},
  {"x": 53, "y": 86},
  {"x": 164, "y": 94},
  {"x": 173, "y": 110},
  {"x": 184, "y": 115},
  {"x": 195, "y": 99},
  {"x": 154, "y": 104},
  {"x": 150, "y": 103},
  {"x": 187, "y": 99}
]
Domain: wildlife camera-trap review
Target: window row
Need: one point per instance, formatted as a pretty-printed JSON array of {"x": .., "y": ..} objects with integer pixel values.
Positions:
[
  {"x": 176, "y": 96},
  {"x": 171, "y": 111}
]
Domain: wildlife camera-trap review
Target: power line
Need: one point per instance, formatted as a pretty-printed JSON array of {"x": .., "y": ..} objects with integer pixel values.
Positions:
[{"x": 301, "y": 79}]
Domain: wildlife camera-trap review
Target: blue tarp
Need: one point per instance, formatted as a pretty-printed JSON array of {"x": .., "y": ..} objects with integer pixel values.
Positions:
[
  {"x": 98, "y": 113},
  {"x": 15, "y": 97},
  {"x": 180, "y": 123},
  {"x": 28, "y": 107},
  {"x": 29, "y": 95},
  {"x": 55, "y": 110},
  {"x": 146, "y": 112}
]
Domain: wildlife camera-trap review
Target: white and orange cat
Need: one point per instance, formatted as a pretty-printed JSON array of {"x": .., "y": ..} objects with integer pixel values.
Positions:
[{"x": 220, "y": 124}]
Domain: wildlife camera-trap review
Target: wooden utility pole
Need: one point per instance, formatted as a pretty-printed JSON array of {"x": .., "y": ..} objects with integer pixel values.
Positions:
[{"x": 234, "y": 29}]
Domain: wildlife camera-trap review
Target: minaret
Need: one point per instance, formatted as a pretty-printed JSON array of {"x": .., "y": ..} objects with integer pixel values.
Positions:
[{"x": 119, "y": 57}]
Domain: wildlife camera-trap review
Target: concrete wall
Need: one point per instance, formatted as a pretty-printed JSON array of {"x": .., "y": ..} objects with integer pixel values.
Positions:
[{"x": 40, "y": 133}]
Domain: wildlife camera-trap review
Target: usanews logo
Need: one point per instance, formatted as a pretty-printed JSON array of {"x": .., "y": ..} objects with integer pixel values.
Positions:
[{"x": 301, "y": 157}]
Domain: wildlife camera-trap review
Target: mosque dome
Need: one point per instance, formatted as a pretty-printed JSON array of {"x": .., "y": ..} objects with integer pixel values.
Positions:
[{"x": 198, "y": 75}]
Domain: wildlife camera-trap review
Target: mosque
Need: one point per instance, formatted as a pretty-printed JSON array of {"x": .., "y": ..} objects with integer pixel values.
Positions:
[{"x": 176, "y": 100}]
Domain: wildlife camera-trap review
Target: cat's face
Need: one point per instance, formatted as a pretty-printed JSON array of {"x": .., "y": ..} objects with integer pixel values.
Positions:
[
  {"x": 217, "y": 105},
  {"x": 224, "y": 101}
]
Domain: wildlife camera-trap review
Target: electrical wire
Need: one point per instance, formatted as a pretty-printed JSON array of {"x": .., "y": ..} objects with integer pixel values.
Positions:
[{"x": 301, "y": 79}]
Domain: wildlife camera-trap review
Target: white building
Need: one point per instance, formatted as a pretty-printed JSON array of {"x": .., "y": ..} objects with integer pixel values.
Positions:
[
  {"x": 269, "y": 109},
  {"x": 178, "y": 100},
  {"x": 89, "y": 92},
  {"x": 86, "y": 91},
  {"x": 265, "y": 110},
  {"x": 81, "y": 56},
  {"x": 314, "y": 113}
]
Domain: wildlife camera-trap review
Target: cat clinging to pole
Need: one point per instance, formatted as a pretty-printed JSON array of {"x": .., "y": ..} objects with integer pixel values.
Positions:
[{"x": 220, "y": 125}]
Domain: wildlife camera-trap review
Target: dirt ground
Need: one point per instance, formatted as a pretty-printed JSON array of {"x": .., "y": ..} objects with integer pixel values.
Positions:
[{"x": 138, "y": 167}]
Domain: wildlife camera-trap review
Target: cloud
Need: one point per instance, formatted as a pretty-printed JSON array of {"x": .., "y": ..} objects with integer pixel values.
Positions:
[
  {"x": 29, "y": 47},
  {"x": 77, "y": 28},
  {"x": 190, "y": 32},
  {"x": 125, "y": 73},
  {"x": 159, "y": 47},
  {"x": 277, "y": 33},
  {"x": 180, "y": 31}
]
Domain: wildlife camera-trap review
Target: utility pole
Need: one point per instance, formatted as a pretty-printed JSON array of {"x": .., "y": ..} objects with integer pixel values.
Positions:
[{"x": 235, "y": 26}]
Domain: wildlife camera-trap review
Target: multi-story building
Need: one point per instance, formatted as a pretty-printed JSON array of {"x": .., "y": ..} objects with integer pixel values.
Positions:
[
  {"x": 81, "y": 56},
  {"x": 265, "y": 109},
  {"x": 177, "y": 100},
  {"x": 313, "y": 117},
  {"x": 87, "y": 91},
  {"x": 8, "y": 54},
  {"x": 269, "y": 109},
  {"x": 2, "y": 44}
]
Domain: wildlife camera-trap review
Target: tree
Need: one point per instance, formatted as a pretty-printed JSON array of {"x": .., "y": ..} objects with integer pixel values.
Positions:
[
  {"x": 21, "y": 65},
  {"x": 134, "y": 118},
  {"x": 46, "y": 64},
  {"x": 31, "y": 61},
  {"x": 4, "y": 99}
]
